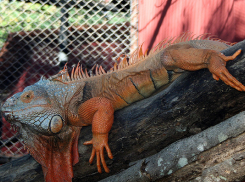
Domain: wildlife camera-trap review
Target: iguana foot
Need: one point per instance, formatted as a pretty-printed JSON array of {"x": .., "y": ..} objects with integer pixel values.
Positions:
[
  {"x": 217, "y": 66},
  {"x": 99, "y": 142}
]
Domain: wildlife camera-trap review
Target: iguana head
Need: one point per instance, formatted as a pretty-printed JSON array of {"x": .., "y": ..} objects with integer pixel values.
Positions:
[
  {"x": 40, "y": 115},
  {"x": 34, "y": 108}
]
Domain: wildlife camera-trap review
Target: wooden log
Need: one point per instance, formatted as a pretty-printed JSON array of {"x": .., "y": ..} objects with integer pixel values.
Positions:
[
  {"x": 217, "y": 153},
  {"x": 193, "y": 103}
]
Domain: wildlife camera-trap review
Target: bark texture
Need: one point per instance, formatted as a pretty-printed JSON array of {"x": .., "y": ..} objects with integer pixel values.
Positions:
[{"x": 177, "y": 134}]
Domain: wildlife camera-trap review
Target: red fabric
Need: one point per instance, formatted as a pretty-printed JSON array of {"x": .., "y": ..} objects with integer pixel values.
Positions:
[{"x": 161, "y": 19}]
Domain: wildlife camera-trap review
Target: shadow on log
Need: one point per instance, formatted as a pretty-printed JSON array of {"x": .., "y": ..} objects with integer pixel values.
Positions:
[{"x": 143, "y": 137}]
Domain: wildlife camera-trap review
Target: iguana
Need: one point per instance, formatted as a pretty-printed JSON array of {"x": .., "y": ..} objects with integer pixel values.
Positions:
[{"x": 51, "y": 112}]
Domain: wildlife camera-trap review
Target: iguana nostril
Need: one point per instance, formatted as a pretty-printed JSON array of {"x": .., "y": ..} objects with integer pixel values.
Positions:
[{"x": 9, "y": 102}]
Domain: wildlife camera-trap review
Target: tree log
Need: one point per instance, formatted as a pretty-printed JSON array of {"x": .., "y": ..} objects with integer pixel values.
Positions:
[{"x": 143, "y": 137}]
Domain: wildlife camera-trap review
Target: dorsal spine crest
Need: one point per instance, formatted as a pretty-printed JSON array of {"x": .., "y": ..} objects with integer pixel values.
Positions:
[{"x": 138, "y": 55}]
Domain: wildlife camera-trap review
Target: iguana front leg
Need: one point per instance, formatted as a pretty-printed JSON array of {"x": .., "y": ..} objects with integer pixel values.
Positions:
[
  {"x": 189, "y": 58},
  {"x": 99, "y": 112}
]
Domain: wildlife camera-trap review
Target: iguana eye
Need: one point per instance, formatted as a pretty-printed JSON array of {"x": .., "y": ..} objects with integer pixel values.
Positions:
[
  {"x": 56, "y": 124},
  {"x": 27, "y": 96}
]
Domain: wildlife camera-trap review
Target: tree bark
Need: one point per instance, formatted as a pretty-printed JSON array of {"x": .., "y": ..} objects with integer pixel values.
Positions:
[{"x": 143, "y": 137}]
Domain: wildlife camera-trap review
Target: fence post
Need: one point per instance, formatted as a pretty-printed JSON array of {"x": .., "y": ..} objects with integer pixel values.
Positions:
[{"x": 63, "y": 35}]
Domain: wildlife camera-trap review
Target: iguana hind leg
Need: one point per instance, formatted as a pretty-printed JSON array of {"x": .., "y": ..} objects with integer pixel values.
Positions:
[
  {"x": 99, "y": 112},
  {"x": 216, "y": 65},
  {"x": 189, "y": 58}
]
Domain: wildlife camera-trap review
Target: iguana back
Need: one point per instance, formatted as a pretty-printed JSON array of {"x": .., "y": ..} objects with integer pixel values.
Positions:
[{"x": 139, "y": 76}]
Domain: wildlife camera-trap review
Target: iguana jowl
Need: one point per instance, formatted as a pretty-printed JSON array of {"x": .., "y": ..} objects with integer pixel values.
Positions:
[{"x": 51, "y": 112}]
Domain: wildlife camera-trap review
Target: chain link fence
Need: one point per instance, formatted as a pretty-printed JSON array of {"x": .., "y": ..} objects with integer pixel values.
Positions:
[{"x": 37, "y": 37}]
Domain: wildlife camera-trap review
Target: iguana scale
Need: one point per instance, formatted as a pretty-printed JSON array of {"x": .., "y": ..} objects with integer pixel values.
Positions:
[{"x": 51, "y": 112}]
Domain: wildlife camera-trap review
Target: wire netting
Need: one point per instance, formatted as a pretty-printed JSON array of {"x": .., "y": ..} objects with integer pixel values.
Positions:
[{"x": 37, "y": 37}]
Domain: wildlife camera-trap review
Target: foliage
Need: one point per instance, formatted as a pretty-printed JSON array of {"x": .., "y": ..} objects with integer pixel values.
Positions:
[{"x": 18, "y": 16}]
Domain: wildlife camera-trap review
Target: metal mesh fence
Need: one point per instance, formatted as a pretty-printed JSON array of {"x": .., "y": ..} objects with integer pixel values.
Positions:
[{"x": 37, "y": 37}]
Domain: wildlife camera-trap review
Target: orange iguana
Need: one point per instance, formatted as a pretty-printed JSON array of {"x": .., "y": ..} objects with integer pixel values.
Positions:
[{"x": 51, "y": 112}]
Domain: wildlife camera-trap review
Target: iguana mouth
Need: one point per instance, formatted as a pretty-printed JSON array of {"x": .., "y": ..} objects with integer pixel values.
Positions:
[
  {"x": 8, "y": 115},
  {"x": 15, "y": 127}
]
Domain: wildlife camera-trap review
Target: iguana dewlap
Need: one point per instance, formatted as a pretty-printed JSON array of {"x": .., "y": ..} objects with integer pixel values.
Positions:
[{"x": 51, "y": 112}]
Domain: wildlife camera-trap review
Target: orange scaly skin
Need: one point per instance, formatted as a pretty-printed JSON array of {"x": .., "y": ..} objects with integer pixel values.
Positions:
[
  {"x": 51, "y": 112},
  {"x": 99, "y": 112}
]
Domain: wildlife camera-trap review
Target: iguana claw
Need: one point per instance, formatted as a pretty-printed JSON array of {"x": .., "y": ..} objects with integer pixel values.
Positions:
[{"x": 99, "y": 142}]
